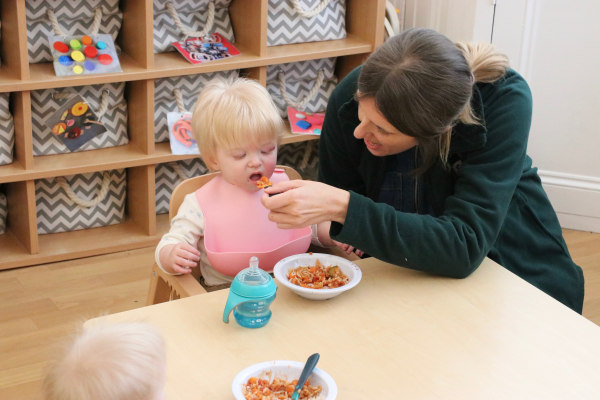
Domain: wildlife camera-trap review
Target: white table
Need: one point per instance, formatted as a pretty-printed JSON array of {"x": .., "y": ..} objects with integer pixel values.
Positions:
[{"x": 399, "y": 334}]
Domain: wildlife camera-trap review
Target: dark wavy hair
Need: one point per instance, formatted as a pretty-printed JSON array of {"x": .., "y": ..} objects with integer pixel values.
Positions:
[{"x": 422, "y": 84}]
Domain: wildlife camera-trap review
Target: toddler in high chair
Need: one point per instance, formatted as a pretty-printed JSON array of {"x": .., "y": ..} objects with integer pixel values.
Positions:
[
  {"x": 238, "y": 130},
  {"x": 121, "y": 361}
]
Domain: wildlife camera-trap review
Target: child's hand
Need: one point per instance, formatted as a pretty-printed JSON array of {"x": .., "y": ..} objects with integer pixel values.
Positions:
[
  {"x": 348, "y": 249},
  {"x": 179, "y": 258}
]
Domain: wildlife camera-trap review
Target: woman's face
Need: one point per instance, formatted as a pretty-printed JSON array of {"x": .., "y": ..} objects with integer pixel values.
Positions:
[{"x": 380, "y": 137}]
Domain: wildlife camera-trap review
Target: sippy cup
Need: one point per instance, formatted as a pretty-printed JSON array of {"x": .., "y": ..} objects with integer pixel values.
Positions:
[{"x": 250, "y": 296}]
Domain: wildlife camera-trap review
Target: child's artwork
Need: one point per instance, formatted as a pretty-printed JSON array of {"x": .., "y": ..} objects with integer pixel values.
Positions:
[
  {"x": 203, "y": 49},
  {"x": 305, "y": 123},
  {"x": 75, "y": 123},
  {"x": 84, "y": 54},
  {"x": 180, "y": 133}
]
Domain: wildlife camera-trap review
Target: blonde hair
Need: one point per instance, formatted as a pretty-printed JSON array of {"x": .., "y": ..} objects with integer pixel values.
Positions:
[
  {"x": 232, "y": 114},
  {"x": 124, "y": 361},
  {"x": 422, "y": 83},
  {"x": 487, "y": 66}
]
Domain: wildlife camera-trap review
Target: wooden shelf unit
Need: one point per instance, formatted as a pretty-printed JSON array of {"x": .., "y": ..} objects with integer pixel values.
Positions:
[{"x": 21, "y": 245}]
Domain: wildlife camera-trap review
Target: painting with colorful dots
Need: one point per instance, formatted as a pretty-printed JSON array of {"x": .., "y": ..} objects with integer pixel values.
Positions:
[
  {"x": 84, "y": 54},
  {"x": 203, "y": 49},
  {"x": 305, "y": 123},
  {"x": 75, "y": 123},
  {"x": 180, "y": 133}
]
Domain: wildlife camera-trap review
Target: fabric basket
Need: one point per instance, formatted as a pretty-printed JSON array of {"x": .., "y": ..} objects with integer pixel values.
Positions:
[
  {"x": 80, "y": 201},
  {"x": 304, "y": 85},
  {"x": 177, "y": 20},
  {"x": 300, "y": 21},
  {"x": 60, "y": 17},
  {"x": 108, "y": 102},
  {"x": 7, "y": 131},
  {"x": 3, "y": 212},
  {"x": 302, "y": 156},
  {"x": 179, "y": 93},
  {"x": 169, "y": 175}
]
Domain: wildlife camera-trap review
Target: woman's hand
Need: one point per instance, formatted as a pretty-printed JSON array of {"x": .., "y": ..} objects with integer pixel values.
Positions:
[
  {"x": 300, "y": 203},
  {"x": 179, "y": 258},
  {"x": 346, "y": 248}
]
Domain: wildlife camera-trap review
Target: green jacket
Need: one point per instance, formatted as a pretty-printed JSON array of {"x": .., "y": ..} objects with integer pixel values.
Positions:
[{"x": 489, "y": 203}]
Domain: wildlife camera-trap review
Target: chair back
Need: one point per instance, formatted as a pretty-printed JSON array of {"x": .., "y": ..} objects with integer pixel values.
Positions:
[{"x": 195, "y": 183}]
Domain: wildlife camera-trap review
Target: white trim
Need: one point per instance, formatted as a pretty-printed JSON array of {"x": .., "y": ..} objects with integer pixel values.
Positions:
[
  {"x": 579, "y": 223},
  {"x": 529, "y": 39},
  {"x": 570, "y": 180},
  {"x": 575, "y": 198}
]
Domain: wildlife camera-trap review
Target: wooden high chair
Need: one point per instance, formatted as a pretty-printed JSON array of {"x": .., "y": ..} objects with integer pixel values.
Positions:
[{"x": 165, "y": 287}]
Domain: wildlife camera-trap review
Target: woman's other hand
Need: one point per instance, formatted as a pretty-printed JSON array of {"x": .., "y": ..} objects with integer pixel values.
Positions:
[
  {"x": 346, "y": 248},
  {"x": 300, "y": 203},
  {"x": 179, "y": 258}
]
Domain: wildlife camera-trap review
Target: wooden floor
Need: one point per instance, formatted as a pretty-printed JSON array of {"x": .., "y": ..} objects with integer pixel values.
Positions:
[{"x": 41, "y": 306}]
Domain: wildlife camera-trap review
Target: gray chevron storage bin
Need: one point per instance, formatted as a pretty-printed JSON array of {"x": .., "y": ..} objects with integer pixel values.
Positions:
[
  {"x": 175, "y": 20},
  {"x": 7, "y": 131},
  {"x": 80, "y": 201},
  {"x": 106, "y": 100},
  {"x": 3, "y": 212},
  {"x": 299, "y": 21},
  {"x": 68, "y": 17},
  {"x": 169, "y": 175},
  {"x": 179, "y": 93},
  {"x": 304, "y": 85}
]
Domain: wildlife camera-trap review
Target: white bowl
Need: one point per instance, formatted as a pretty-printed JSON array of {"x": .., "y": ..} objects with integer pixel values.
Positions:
[
  {"x": 288, "y": 370},
  {"x": 350, "y": 269}
]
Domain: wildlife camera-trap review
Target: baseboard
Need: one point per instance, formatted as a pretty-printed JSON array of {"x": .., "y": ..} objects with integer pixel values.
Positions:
[{"x": 575, "y": 198}]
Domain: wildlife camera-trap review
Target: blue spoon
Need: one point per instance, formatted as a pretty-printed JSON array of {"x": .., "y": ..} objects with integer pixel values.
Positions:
[{"x": 306, "y": 371}]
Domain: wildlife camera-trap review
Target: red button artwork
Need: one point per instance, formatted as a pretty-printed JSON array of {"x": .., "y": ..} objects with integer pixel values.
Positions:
[
  {"x": 95, "y": 54},
  {"x": 104, "y": 59},
  {"x": 90, "y": 51},
  {"x": 60, "y": 46}
]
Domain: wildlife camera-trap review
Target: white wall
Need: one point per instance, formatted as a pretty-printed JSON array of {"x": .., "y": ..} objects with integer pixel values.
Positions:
[{"x": 553, "y": 44}]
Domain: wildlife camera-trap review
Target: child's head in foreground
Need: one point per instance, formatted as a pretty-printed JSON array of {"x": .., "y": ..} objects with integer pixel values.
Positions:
[
  {"x": 238, "y": 128},
  {"x": 123, "y": 361}
]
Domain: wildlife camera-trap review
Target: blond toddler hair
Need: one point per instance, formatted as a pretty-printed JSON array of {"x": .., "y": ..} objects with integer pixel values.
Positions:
[
  {"x": 233, "y": 114},
  {"x": 123, "y": 361}
]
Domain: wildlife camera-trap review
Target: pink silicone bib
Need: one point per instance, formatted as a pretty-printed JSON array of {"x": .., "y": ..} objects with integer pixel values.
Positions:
[{"x": 237, "y": 227}]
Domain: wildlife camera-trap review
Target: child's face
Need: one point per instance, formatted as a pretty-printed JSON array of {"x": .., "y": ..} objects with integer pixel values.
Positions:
[{"x": 242, "y": 167}]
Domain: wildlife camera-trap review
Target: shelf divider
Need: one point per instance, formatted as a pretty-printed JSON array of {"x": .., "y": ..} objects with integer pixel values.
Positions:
[
  {"x": 140, "y": 118},
  {"x": 14, "y": 32},
  {"x": 141, "y": 206},
  {"x": 136, "y": 35},
  {"x": 22, "y": 215},
  {"x": 23, "y": 150}
]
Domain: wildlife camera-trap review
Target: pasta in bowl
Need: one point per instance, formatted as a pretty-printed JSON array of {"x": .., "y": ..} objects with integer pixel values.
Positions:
[
  {"x": 276, "y": 380},
  {"x": 317, "y": 276}
]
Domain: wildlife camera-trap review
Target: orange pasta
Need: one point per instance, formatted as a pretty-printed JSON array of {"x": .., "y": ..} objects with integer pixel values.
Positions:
[
  {"x": 263, "y": 183},
  {"x": 318, "y": 276},
  {"x": 277, "y": 389}
]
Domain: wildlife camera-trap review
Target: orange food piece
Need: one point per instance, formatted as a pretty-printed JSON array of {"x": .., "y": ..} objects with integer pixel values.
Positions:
[{"x": 263, "y": 183}]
